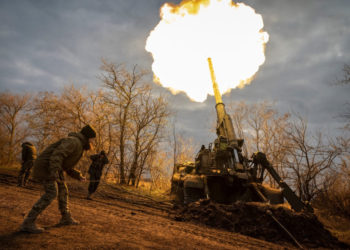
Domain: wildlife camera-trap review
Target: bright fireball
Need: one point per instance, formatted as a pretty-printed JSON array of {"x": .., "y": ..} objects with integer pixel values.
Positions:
[{"x": 188, "y": 33}]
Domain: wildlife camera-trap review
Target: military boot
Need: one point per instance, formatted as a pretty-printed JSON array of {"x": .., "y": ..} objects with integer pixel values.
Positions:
[
  {"x": 29, "y": 225},
  {"x": 67, "y": 220}
]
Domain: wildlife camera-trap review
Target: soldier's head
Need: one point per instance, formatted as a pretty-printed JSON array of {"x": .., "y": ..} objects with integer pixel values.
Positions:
[
  {"x": 27, "y": 143},
  {"x": 89, "y": 132},
  {"x": 103, "y": 152}
]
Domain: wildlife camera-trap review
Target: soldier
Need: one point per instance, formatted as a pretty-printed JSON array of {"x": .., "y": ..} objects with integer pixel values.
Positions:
[
  {"x": 49, "y": 169},
  {"x": 95, "y": 171},
  {"x": 28, "y": 157},
  {"x": 198, "y": 159}
]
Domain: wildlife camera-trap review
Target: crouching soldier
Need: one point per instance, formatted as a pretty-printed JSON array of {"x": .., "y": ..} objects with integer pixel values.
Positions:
[
  {"x": 95, "y": 171},
  {"x": 49, "y": 169},
  {"x": 28, "y": 157}
]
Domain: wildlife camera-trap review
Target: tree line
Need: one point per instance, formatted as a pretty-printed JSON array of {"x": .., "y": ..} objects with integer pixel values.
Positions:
[
  {"x": 308, "y": 160},
  {"x": 129, "y": 118},
  {"x": 136, "y": 129}
]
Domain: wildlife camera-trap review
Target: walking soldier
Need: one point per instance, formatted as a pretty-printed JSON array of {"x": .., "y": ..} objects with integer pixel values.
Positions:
[
  {"x": 28, "y": 157},
  {"x": 95, "y": 171},
  {"x": 49, "y": 169}
]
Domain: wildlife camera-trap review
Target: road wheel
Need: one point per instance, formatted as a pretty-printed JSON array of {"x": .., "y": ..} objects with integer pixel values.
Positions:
[
  {"x": 192, "y": 194},
  {"x": 177, "y": 194}
]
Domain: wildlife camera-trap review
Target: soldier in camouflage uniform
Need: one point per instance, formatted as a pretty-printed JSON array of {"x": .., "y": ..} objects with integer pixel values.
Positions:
[
  {"x": 95, "y": 171},
  {"x": 28, "y": 157},
  {"x": 49, "y": 169}
]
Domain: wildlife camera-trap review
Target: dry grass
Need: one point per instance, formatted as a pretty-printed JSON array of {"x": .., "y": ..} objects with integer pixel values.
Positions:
[
  {"x": 333, "y": 208},
  {"x": 337, "y": 225},
  {"x": 336, "y": 199},
  {"x": 11, "y": 170},
  {"x": 145, "y": 189}
]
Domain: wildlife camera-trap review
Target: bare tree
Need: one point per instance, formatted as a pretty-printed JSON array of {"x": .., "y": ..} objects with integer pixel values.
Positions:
[
  {"x": 159, "y": 173},
  {"x": 263, "y": 129},
  {"x": 100, "y": 116},
  {"x": 309, "y": 159},
  {"x": 346, "y": 75},
  {"x": 149, "y": 115},
  {"x": 46, "y": 119},
  {"x": 122, "y": 87},
  {"x": 54, "y": 116},
  {"x": 185, "y": 149},
  {"x": 12, "y": 123},
  {"x": 75, "y": 107},
  {"x": 345, "y": 80},
  {"x": 335, "y": 195}
]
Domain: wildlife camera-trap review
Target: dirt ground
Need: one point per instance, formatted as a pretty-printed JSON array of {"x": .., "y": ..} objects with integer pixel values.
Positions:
[
  {"x": 115, "y": 219},
  {"x": 273, "y": 223}
]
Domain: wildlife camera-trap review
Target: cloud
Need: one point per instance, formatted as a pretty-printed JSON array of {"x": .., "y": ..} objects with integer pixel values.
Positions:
[
  {"x": 68, "y": 39},
  {"x": 47, "y": 44}
]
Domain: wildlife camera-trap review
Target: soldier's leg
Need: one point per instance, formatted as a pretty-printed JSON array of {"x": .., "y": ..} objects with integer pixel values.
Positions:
[
  {"x": 20, "y": 175},
  {"x": 93, "y": 184},
  {"x": 63, "y": 197},
  {"x": 28, "y": 169},
  {"x": 98, "y": 178},
  {"x": 63, "y": 205},
  {"x": 91, "y": 187},
  {"x": 97, "y": 183},
  {"x": 45, "y": 200}
]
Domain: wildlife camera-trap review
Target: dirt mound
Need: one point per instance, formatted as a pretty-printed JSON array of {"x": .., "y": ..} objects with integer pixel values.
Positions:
[{"x": 253, "y": 219}]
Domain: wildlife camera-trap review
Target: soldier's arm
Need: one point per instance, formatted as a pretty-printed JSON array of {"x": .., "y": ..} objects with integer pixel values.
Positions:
[
  {"x": 30, "y": 154},
  {"x": 64, "y": 150},
  {"x": 74, "y": 174}
]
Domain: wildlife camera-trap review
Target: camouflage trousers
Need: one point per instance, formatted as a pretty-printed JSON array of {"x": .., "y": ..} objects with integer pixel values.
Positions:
[
  {"x": 94, "y": 181},
  {"x": 52, "y": 189},
  {"x": 25, "y": 172}
]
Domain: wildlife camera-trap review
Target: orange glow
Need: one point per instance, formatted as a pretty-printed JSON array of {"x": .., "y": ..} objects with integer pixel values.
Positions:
[{"x": 188, "y": 33}]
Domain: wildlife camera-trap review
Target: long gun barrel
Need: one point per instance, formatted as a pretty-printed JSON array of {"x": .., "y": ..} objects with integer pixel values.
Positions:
[{"x": 224, "y": 122}]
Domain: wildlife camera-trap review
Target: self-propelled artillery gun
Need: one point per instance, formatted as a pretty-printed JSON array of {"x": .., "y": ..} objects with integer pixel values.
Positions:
[{"x": 223, "y": 174}]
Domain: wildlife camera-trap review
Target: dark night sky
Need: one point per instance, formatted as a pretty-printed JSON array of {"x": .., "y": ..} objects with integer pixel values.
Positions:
[{"x": 46, "y": 44}]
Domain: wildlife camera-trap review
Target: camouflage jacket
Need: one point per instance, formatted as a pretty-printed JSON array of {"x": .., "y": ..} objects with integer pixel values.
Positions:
[
  {"x": 60, "y": 156},
  {"x": 98, "y": 162},
  {"x": 28, "y": 152}
]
